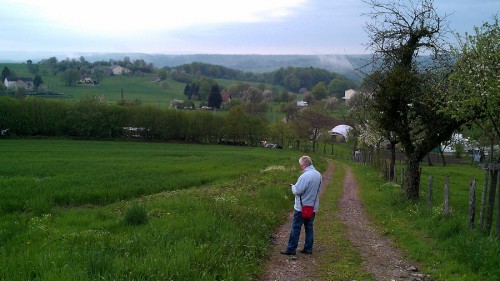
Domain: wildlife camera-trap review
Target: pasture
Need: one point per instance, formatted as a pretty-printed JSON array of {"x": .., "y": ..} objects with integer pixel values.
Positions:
[
  {"x": 87, "y": 210},
  {"x": 142, "y": 88},
  {"x": 207, "y": 210}
]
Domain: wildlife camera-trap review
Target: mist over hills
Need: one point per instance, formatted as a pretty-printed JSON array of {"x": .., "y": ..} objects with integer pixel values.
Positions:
[{"x": 342, "y": 64}]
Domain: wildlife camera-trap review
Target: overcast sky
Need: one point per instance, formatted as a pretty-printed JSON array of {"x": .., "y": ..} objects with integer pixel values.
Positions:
[{"x": 204, "y": 26}]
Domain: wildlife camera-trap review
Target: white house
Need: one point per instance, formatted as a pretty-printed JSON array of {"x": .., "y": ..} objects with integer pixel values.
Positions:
[
  {"x": 301, "y": 103},
  {"x": 85, "y": 80},
  {"x": 348, "y": 94},
  {"x": 18, "y": 82},
  {"x": 118, "y": 70}
]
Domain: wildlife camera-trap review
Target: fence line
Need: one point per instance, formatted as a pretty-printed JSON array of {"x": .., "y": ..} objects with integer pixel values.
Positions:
[
  {"x": 472, "y": 202},
  {"x": 487, "y": 202}
]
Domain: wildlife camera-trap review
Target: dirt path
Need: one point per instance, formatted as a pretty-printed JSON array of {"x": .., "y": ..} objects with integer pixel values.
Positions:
[{"x": 380, "y": 257}]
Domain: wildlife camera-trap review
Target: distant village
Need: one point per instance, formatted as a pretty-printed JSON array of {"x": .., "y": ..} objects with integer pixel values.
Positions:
[{"x": 27, "y": 83}]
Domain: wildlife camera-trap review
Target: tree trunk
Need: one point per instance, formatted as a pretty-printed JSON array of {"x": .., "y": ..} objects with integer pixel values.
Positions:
[
  {"x": 442, "y": 156},
  {"x": 412, "y": 177},
  {"x": 429, "y": 162}
]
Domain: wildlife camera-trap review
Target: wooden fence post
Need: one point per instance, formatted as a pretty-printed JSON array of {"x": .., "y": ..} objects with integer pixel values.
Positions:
[
  {"x": 498, "y": 205},
  {"x": 472, "y": 203},
  {"x": 387, "y": 166},
  {"x": 395, "y": 174},
  {"x": 403, "y": 180},
  {"x": 447, "y": 196},
  {"x": 483, "y": 200},
  {"x": 490, "y": 210},
  {"x": 429, "y": 200}
]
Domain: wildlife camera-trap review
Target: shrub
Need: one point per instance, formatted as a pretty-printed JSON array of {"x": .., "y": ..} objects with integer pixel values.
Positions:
[{"x": 136, "y": 215}]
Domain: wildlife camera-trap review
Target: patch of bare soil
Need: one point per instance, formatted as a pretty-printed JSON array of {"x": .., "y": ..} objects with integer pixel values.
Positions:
[{"x": 380, "y": 257}]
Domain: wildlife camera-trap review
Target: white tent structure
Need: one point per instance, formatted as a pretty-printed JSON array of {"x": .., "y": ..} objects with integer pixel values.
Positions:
[{"x": 342, "y": 130}]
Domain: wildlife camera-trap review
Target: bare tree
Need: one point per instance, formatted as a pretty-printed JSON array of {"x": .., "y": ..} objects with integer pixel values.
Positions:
[
  {"x": 316, "y": 120},
  {"x": 409, "y": 41}
]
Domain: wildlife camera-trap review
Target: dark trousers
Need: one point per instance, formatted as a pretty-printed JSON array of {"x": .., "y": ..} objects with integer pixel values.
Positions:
[{"x": 297, "y": 223}]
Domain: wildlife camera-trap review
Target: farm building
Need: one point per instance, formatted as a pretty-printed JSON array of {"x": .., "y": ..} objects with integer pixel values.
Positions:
[
  {"x": 18, "y": 82},
  {"x": 301, "y": 103},
  {"x": 118, "y": 70},
  {"x": 348, "y": 94},
  {"x": 341, "y": 132}
]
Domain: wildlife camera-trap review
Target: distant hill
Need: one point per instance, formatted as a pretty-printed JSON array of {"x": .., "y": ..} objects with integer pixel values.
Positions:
[{"x": 342, "y": 64}]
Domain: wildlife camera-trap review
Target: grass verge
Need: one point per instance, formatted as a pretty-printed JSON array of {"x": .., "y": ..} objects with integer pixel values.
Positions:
[{"x": 441, "y": 244}]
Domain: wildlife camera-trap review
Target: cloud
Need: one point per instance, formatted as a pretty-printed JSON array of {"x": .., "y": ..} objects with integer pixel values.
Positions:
[{"x": 125, "y": 17}]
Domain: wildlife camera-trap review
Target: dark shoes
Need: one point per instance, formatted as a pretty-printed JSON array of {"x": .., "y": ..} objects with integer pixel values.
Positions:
[{"x": 290, "y": 253}]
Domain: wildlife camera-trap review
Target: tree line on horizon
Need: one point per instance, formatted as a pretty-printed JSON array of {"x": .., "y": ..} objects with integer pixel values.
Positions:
[{"x": 292, "y": 78}]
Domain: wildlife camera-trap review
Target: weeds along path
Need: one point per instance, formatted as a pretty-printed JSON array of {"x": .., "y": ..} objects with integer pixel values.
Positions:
[
  {"x": 293, "y": 268},
  {"x": 380, "y": 257}
]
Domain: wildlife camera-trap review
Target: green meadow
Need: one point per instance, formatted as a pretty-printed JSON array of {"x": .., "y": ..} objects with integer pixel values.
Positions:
[
  {"x": 88, "y": 210},
  {"x": 114, "y": 210},
  {"x": 142, "y": 88}
]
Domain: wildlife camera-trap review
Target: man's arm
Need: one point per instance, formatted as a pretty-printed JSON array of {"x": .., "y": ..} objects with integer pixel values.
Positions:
[{"x": 300, "y": 186}]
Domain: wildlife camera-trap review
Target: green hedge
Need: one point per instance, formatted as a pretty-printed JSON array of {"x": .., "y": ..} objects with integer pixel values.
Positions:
[{"x": 91, "y": 118}]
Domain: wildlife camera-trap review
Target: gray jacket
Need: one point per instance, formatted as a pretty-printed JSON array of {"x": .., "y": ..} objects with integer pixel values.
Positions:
[{"x": 307, "y": 186}]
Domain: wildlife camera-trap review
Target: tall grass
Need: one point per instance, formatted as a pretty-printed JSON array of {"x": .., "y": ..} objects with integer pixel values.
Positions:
[
  {"x": 210, "y": 210},
  {"x": 39, "y": 174},
  {"x": 442, "y": 244}
]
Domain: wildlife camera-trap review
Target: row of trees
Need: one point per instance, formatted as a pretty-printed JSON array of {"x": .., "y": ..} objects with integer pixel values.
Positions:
[
  {"x": 292, "y": 78},
  {"x": 72, "y": 69},
  {"x": 93, "y": 118},
  {"x": 63, "y": 65},
  {"x": 420, "y": 90}
]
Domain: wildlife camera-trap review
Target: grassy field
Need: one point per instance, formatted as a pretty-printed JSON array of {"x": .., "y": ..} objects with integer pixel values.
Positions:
[
  {"x": 142, "y": 88},
  {"x": 87, "y": 210},
  {"x": 83, "y": 210},
  {"x": 441, "y": 244}
]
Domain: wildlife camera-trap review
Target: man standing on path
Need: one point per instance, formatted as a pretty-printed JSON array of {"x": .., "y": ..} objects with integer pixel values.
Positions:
[{"x": 306, "y": 192}]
